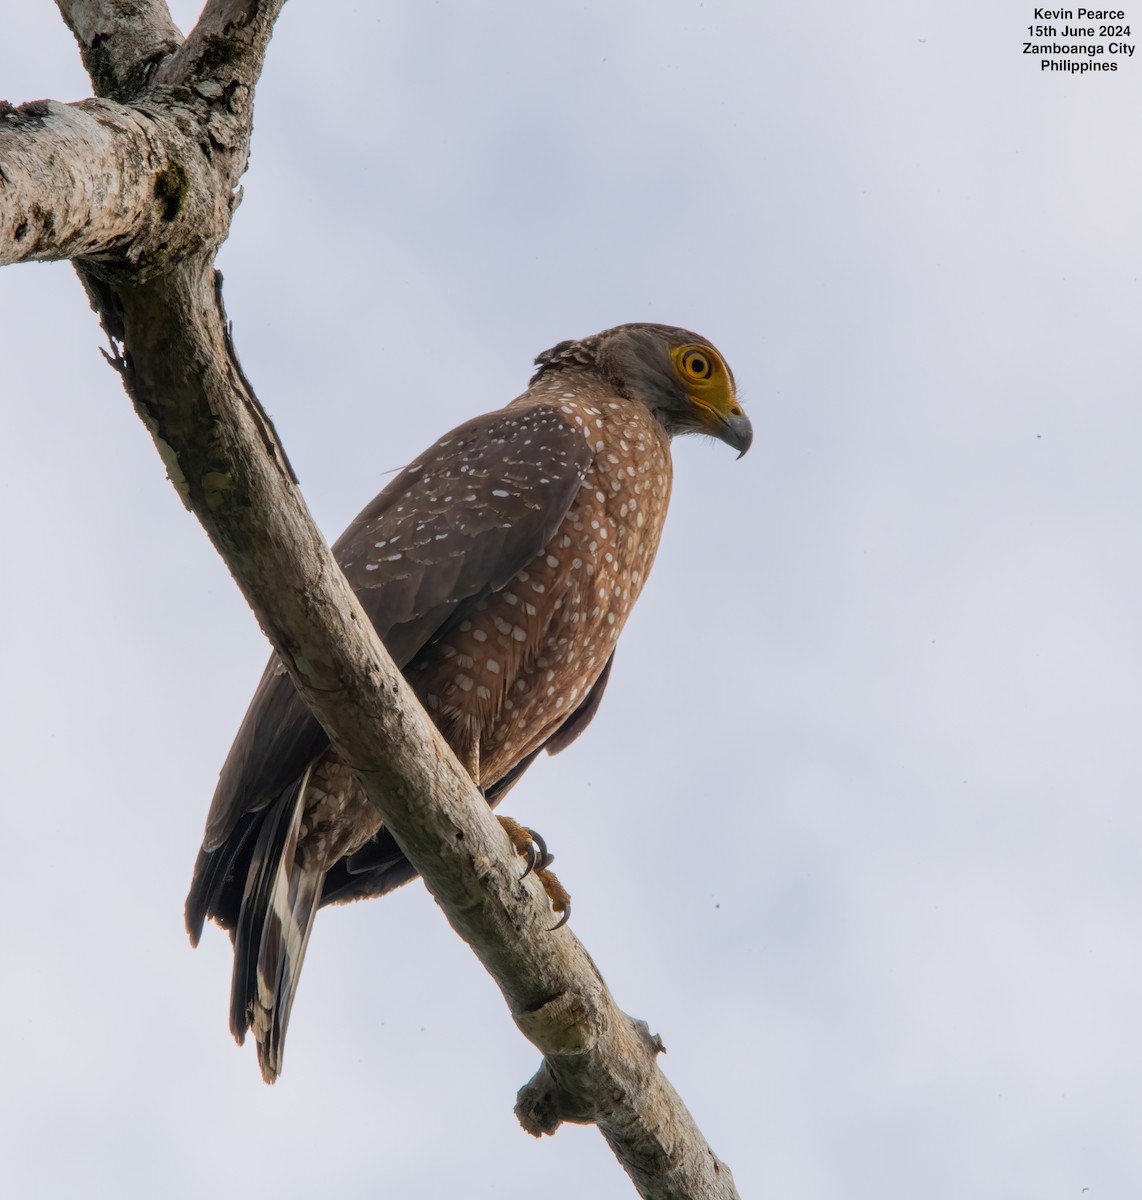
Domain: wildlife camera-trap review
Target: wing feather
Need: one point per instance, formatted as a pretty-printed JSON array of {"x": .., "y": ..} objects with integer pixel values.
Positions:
[{"x": 458, "y": 522}]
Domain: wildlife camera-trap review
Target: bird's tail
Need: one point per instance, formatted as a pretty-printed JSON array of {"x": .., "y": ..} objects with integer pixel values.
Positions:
[{"x": 278, "y": 906}]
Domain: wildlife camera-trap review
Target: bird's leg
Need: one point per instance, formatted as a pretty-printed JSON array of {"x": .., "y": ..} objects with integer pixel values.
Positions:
[
  {"x": 469, "y": 756},
  {"x": 528, "y": 844}
]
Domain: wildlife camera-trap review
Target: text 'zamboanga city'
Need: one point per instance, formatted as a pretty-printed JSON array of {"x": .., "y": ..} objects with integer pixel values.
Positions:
[{"x": 1076, "y": 46}]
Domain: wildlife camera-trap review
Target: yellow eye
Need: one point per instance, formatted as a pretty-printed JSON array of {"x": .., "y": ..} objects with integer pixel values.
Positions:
[{"x": 695, "y": 363}]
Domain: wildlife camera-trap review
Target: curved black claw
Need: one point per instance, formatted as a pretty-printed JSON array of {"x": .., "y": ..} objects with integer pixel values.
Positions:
[
  {"x": 558, "y": 895},
  {"x": 538, "y": 858},
  {"x": 564, "y": 918}
]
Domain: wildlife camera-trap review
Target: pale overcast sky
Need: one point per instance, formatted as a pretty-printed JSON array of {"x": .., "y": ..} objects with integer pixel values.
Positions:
[{"x": 857, "y": 829}]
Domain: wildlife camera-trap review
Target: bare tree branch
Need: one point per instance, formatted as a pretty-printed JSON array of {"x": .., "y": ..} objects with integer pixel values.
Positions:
[
  {"x": 160, "y": 304},
  {"x": 599, "y": 1065},
  {"x": 120, "y": 41},
  {"x": 147, "y": 181},
  {"x": 101, "y": 180},
  {"x": 228, "y": 45}
]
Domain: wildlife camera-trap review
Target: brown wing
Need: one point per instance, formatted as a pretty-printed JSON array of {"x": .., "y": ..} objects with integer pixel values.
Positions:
[{"x": 458, "y": 522}]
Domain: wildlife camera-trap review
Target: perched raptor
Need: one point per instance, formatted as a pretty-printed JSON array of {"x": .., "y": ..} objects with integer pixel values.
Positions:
[{"x": 498, "y": 568}]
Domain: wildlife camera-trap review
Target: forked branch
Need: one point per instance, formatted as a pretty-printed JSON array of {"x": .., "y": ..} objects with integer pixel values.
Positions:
[{"x": 181, "y": 113}]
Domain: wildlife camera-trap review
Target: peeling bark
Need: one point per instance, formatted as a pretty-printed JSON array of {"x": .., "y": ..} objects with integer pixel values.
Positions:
[{"x": 138, "y": 188}]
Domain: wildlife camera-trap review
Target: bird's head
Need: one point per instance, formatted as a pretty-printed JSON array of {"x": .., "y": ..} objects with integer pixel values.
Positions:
[{"x": 677, "y": 374}]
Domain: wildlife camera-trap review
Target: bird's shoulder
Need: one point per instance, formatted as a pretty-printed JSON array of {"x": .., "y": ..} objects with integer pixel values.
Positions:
[{"x": 501, "y": 479}]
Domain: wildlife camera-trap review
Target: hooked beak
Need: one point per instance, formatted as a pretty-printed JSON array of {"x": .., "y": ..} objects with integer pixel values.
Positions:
[{"x": 736, "y": 431}]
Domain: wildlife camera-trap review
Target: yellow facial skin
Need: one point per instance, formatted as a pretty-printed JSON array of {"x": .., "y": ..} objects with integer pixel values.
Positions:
[{"x": 711, "y": 390}]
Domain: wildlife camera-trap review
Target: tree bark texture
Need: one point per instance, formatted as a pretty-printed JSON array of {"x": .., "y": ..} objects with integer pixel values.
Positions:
[{"x": 138, "y": 187}]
